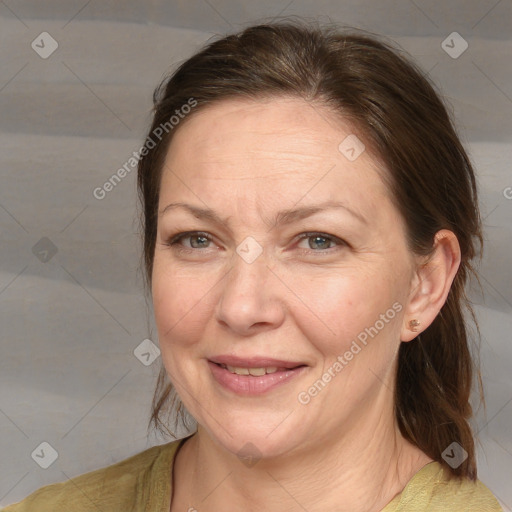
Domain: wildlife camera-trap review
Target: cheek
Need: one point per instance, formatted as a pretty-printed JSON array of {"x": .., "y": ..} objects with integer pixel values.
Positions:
[
  {"x": 180, "y": 316},
  {"x": 179, "y": 302},
  {"x": 340, "y": 309}
]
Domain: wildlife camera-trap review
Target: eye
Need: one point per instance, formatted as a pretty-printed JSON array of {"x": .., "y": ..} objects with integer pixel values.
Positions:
[
  {"x": 320, "y": 242},
  {"x": 199, "y": 240}
]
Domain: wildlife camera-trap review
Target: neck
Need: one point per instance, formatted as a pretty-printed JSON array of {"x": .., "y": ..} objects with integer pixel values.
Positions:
[{"x": 361, "y": 469}]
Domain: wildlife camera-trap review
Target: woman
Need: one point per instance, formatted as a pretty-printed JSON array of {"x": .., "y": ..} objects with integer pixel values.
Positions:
[{"x": 309, "y": 217}]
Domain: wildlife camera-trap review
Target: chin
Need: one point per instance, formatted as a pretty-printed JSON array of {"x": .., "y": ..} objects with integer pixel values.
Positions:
[{"x": 252, "y": 442}]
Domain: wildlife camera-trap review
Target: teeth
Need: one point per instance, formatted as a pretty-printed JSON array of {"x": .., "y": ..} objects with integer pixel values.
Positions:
[{"x": 256, "y": 372}]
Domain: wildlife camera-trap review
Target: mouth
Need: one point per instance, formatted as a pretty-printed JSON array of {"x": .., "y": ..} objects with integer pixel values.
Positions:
[
  {"x": 257, "y": 371},
  {"x": 253, "y": 376},
  {"x": 255, "y": 362}
]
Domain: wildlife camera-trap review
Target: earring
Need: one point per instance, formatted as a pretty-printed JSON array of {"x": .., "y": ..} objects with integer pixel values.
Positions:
[{"x": 413, "y": 325}]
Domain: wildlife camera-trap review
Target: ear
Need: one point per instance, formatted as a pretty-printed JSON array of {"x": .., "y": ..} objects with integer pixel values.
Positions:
[{"x": 431, "y": 284}]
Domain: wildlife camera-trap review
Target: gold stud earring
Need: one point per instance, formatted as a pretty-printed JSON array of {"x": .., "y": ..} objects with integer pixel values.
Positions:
[{"x": 413, "y": 325}]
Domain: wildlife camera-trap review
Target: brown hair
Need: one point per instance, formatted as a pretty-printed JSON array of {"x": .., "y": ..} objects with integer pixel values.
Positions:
[{"x": 405, "y": 123}]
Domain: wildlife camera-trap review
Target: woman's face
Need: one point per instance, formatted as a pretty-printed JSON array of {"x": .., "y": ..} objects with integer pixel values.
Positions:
[{"x": 249, "y": 287}]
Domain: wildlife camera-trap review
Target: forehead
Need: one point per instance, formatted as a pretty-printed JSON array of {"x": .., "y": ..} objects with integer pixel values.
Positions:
[
  {"x": 236, "y": 126},
  {"x": 286, "y": 147}
]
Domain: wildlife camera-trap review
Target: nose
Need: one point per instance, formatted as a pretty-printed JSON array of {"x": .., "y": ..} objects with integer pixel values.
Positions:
[{"x": 251, "y": 297}]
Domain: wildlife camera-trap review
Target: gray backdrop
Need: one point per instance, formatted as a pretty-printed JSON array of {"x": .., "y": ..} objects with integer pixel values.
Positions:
[{"x": 76, "y": 79}]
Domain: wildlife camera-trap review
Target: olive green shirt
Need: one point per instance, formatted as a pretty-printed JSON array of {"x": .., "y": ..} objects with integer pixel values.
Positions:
[{"x": 143, "y": 483}]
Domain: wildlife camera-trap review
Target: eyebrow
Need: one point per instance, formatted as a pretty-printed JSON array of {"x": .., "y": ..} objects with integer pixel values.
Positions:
[{"x": 282, "y": 217}]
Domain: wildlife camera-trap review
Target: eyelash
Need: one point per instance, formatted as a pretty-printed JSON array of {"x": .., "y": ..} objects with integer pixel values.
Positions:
[{"x": 174, "y": 241}]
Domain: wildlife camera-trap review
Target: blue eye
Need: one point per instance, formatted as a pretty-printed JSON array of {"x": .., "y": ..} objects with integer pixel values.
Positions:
[
  {"x": 321, "y": 239},
  {"x": 199, "y": 235}
]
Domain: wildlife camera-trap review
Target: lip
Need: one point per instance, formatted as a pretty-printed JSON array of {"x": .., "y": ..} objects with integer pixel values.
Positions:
[
  {"x": 249, "y": 385},
  {"x": 254, "y": 362}
]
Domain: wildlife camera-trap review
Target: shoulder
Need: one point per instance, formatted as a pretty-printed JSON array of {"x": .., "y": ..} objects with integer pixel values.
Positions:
[
  {"x": 115, "y": 488},
  {"x": 432, "y": 489}
]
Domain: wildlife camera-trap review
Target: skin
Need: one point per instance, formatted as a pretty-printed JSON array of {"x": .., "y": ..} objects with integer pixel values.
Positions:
[{"x": 342, "y": 451}]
